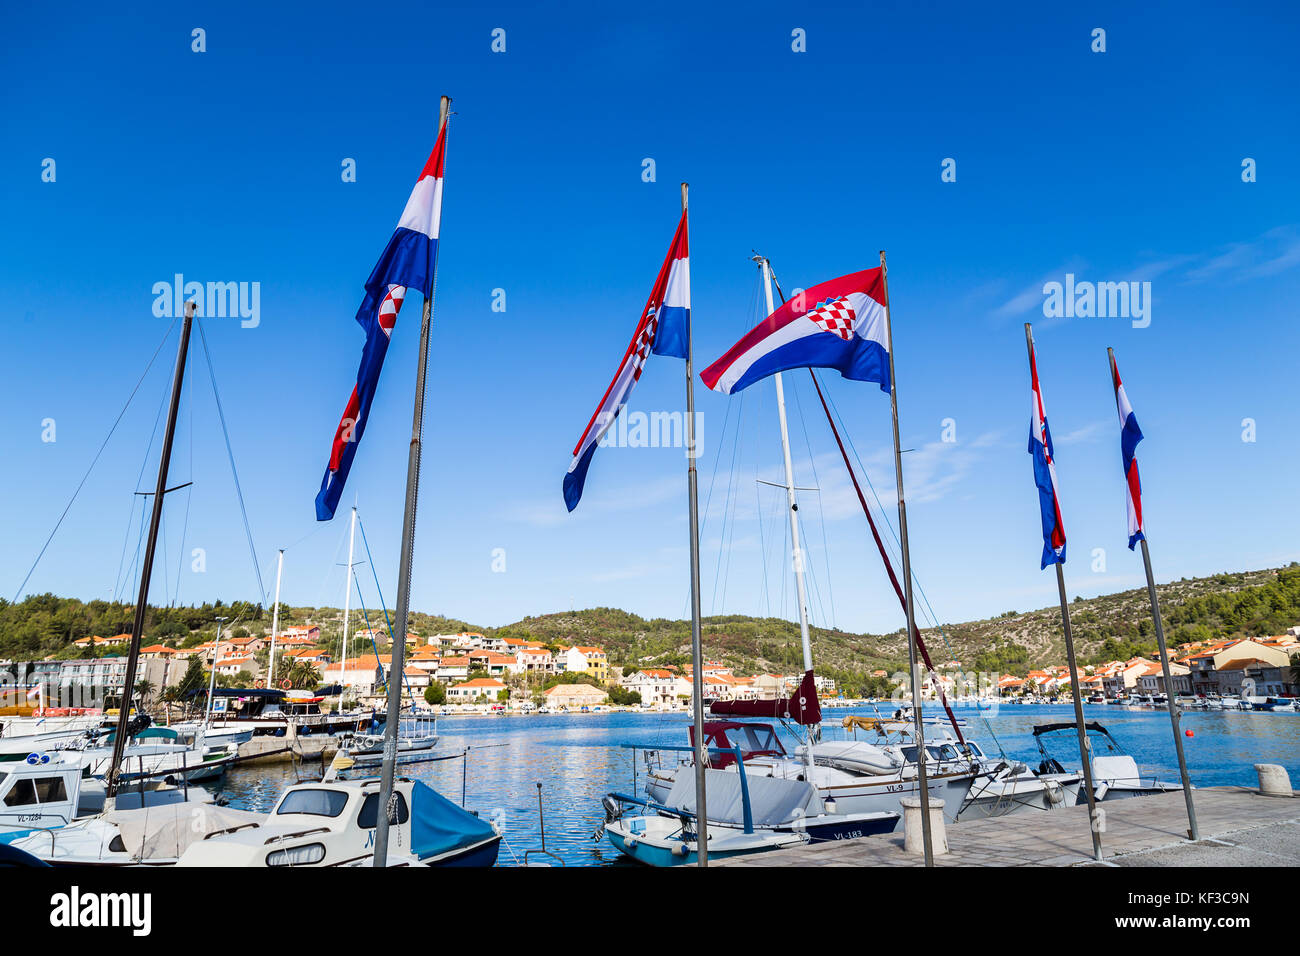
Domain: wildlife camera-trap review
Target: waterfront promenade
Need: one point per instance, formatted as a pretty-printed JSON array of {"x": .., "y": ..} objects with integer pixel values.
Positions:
[{"x": 1238, "y": 828}]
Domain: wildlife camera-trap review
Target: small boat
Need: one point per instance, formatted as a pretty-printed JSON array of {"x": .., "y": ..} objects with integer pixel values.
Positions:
[
  {"x": 1115, "y": 773},
  {"x": 746, "y": 815},
  {"x": 333, "y": 824},
  {"x": 417, "y": 735}
]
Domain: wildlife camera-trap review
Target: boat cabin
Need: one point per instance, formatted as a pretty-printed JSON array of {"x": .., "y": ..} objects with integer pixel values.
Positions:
[{"x": 754, "y": 740}]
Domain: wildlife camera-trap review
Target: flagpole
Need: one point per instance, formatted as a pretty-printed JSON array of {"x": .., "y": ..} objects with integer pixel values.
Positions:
[
  {"x": 146, "y": 568},
  {"x": 1193, "y": 831},
  {"x": 697, "y": 648},
  {"x": 397, "y": 669},
  {"x": 918, "y": 731},
  {"x": 1085, "y": 751}
]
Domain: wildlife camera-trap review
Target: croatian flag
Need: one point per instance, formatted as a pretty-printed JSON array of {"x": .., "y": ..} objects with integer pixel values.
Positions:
[
  {"x": 1049, "y": 502},
  {"x": 664, "y": 329},
  {"x": 1130, "y": 435},
  {"x": 407, "y": 263},
  {"x": 840, "y": 324}
]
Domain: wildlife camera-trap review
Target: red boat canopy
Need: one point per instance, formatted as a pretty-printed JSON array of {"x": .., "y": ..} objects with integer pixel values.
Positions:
[{"x": 802, "y": 708}]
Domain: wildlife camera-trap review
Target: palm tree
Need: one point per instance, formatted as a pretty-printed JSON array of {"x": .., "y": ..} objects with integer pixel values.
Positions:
[{"x": 143, "y": 689}]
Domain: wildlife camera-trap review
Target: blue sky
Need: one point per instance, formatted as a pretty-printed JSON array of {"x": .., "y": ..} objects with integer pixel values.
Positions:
[{"x": 225, "y": 166}]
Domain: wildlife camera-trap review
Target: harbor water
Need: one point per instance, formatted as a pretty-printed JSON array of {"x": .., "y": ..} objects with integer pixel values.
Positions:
[{"x": 578, "y": 758}]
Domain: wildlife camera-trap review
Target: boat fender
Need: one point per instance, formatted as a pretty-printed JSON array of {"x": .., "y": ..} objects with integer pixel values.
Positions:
[
  {"x": 1055, "y": 792},
  {"x": 679, "y": 849},
  {"x": 630, "y": 841}
]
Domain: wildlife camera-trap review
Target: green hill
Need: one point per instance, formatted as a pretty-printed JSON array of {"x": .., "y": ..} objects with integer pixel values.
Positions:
[{"x": 1254, "y": 603}]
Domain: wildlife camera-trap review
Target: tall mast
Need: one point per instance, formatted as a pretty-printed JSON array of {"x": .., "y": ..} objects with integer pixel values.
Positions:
[
  {"x": 910, "y": 608},
  {"x": 697, "y": 647},
  {"x": 793, "y": 506},
  {"x": 146, "y": 569},
  {"x": 275, "y": 621},
  {"x": 347, "y": 609},
  {"x": 397, "y": 669},
  {"x": 212, "y": 673}
]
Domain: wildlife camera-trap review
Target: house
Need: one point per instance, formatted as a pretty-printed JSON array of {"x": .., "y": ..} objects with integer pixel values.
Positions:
[
  {"x": 307, "y": 634},
  {"x": 495, "y": 664},
  {"x": 575, "y": 695},
  {"x": 657, "y": 687},
  {"x": 427, "y": 659},
  {"x": 1122, "y": 677},
  {"x": 470, "y": 690},
  {"x": 1152, "y": 680},
  {"x": 232, "y": 666},
  {"x": 247, "y": 645},
  {"x": 157, "y": 652},
  {"x": 363, "y": 674},
  {"x": 1207, "y": 665},
  {"x": 97, "y": 641},
  {"x": 453, "y": 669},
  {"x": 315, "y": 656},
  {"x": 534, "y": 660},
  {"x": 769, "y": 686},
  {"x": 1009, "y": 686},
  {"x": 587, "y": 660}
]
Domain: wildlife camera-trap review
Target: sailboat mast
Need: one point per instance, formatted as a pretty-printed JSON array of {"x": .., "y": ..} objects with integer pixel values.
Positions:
[
  {"x": 796, "y": 551},
  {"x": 146, "y": 569},
  {"x": 347, "y": 609},
  {"x": 275, "y": 622},
  {"x": 397, "y": 669},
  {"x": 697, "y": 646}
]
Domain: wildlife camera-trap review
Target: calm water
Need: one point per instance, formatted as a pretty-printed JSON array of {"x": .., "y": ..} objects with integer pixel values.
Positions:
[{"x": 577, "y": 759}]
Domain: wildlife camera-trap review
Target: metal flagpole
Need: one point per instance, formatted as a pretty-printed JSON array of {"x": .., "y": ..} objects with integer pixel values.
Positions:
[
  {"x": 796, "y": 552},
  {"x": 1175, "y": 716},
  {"x": 1085, "y": 751},
  {"x": 697, "y": 646},
  {"x": 922, "y": 778},
  {"x": 275, "y": 621},
  {"x": 398, "y": 667},
  {"x": 146, "y": 569}
]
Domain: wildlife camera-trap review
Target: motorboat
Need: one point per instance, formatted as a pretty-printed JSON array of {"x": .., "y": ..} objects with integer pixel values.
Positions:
[
  {"x": 332, "y": 823},
  {"x": 1115, "y": 773}
]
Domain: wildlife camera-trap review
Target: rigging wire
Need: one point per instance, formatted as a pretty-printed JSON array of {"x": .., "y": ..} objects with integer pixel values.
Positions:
[{"x": 230, "y": 453}]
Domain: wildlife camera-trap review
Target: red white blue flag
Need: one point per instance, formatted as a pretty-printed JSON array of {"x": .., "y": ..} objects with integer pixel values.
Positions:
[
  {"x": 840, "y": 324},
  {"x": 407, "y": 263},
  {"x": 664, "y": 329},
  {"x": 1130, "y": 435},
  {"x": 1049, "y": 501}
]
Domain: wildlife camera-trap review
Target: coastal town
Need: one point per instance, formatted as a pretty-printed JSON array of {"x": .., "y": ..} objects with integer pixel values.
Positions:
[{"x": 473, "y": 672}]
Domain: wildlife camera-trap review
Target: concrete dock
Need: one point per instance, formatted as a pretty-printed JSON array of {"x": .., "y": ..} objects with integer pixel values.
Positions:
[
  {"x": 1237, "y": 826},
  {"x": 275, "y": 749}
]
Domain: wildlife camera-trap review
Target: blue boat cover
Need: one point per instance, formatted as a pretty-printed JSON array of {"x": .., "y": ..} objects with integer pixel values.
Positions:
[{"x": 438, "y": 825}]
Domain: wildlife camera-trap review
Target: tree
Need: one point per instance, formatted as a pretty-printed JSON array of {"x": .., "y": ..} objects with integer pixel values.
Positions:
[
  {"x": 435, "y": 694},
  {"x": 144, "y": 689},
  {"x": 619, "y": 695},
  {"x": 195, "y": 678}
]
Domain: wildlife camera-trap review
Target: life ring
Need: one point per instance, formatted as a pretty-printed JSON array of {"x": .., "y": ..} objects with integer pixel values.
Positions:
[
  {"x": 259, "y": 683},
  {"x": 286, "y": 684}
]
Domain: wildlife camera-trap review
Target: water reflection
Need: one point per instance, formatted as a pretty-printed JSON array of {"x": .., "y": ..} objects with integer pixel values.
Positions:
[{"x": 578, "y": 759}]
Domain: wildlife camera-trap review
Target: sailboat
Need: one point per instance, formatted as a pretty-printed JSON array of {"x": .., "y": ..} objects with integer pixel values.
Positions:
[{"x": 851, "y": 777}]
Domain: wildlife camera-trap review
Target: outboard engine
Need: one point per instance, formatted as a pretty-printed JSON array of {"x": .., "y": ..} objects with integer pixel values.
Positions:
[{"x": 613, "y": 809}]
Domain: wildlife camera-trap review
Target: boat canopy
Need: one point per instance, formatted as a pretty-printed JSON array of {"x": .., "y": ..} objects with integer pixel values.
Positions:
[
  {"x": 439, "y": 826},
  {"x": 802, "y": 708},
  {"x": 164, "y": 832},
  {"x": 1041, "y": 729}
]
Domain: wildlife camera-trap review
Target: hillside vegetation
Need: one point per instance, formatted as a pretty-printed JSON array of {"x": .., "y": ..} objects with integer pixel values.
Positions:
[{"x": 1245, "y": 604}]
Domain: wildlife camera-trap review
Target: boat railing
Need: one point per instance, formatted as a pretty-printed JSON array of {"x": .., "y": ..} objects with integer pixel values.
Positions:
[{"x": 290, "y": 836}]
